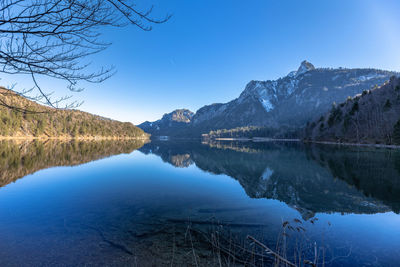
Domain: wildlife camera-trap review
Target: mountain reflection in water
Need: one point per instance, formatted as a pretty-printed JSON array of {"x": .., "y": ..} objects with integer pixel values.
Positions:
[
  {"x": 159, "y": 203},
  {"x": 309, "y": 178}
]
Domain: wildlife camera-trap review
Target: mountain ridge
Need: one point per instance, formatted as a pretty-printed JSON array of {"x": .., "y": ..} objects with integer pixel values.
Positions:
[
  {"x": 176, "y": 120},
  {"x": 292, "y": 100}
]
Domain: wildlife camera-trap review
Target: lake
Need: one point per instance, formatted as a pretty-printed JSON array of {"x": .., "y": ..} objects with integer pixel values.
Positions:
[{"x": 188, "y": 203}]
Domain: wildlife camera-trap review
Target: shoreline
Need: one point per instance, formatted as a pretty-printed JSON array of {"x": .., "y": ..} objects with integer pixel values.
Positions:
[
  {"x": 68, "y": 138},
  {"x": 256, "y": 139},
  {"x": 353, "y": 144},
  {"x": 264, "y": 139}
]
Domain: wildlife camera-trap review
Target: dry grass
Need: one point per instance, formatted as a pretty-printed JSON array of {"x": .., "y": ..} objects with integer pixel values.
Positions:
[{"x": 293, "y": 247}]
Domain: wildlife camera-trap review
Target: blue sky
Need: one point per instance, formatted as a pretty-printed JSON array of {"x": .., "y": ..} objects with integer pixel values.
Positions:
[{"x": 211, "y": 49}]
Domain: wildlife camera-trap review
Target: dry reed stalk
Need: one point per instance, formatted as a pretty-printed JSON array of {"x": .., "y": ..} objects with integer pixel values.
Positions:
[{"x": 270, "y": 251}]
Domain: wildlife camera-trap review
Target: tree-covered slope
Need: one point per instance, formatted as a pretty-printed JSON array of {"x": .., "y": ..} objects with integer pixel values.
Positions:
[
  {"x": 34, "y": 120},
  {"x": 370, "y": 117},
  {"x": 254, "y": 132}
]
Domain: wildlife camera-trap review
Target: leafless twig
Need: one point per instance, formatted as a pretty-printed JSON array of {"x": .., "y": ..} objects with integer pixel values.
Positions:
[{"x": 50, "y": 38}]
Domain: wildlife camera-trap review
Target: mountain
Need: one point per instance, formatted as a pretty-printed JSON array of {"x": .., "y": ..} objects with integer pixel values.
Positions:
[
  {"x": 290, "y": 101},
  {"x": 370, "y": 117},
  {"x": 170, "y": 123},
  {"x": 35, "y": 120}
]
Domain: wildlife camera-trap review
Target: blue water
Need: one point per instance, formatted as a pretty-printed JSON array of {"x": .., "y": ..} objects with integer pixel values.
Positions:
[{"x": 137, "y": 208}]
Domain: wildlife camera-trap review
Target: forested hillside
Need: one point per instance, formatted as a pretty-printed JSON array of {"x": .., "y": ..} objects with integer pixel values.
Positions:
[
  {"x": 370, "y": 117},
  {"x": 254, "y": 131},
  {"x": 33, "y": 120}
]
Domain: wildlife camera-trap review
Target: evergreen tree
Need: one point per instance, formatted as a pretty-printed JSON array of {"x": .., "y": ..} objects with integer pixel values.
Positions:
[
  {"x": 387, "y": 105},
  {"x": 396, "y": 133},
  {"x": 354, "y": 109}
]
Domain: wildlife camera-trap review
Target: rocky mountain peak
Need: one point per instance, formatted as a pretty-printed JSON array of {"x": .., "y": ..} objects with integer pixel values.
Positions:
[
  {"x": 179, "y": 115},
  {"x": 304, "y": 67}
]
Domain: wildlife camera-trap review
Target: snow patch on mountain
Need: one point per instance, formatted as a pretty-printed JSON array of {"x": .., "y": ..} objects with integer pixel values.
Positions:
[
  {"x": 267, "y": 174},
  {"x": 292, "y": 74},
  {"x": 267, "y": 104},
  {"x": 364, "y": 78},
  {"x": 291, "y": 86}
]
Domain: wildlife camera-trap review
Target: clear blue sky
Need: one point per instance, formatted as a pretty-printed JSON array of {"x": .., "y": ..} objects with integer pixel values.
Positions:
[{"x": 210, "y": 49}]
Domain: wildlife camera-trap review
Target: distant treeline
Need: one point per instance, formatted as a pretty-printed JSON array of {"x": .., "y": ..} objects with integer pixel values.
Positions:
[
  {"x": 36, "y": 120},
  {"x": 255, "y": 131}
]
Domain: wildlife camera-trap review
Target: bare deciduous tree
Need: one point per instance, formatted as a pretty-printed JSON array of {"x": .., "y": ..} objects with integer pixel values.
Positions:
[{"x": 51, "y": 37}]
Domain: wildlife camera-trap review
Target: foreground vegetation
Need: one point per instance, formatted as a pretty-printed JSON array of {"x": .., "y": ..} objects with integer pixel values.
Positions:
[{"x": 34, "y": 120}]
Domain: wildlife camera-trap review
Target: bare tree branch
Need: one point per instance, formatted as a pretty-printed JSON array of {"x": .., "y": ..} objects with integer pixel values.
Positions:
[{"x": 50, "y": 38}]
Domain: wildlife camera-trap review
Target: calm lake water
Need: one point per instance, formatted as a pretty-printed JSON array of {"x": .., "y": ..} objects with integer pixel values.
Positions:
[{"x": 191, "y": 203}]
